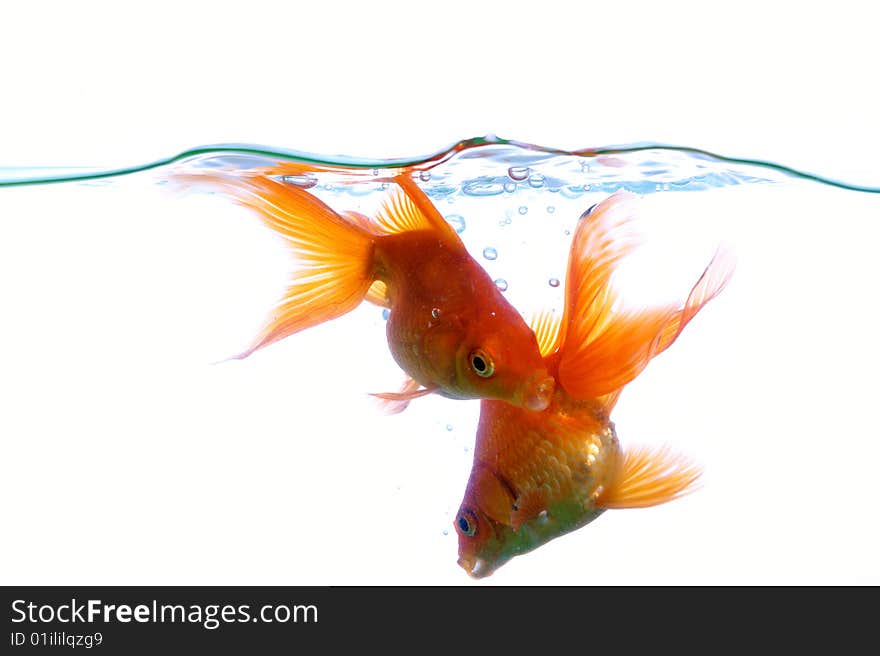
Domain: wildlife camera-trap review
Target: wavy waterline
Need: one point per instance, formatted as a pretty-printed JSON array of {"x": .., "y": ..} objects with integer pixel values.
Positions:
[{"x": 427, "y": 162}]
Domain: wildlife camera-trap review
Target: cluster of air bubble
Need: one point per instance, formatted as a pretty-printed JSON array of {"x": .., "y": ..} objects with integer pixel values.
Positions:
[{"x": 526, "y": 178}]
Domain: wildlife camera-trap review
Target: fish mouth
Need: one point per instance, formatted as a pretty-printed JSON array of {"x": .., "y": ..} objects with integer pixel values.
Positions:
[
  {"x": 476, "y": 568},
  {"x": 539, "y": 393}
]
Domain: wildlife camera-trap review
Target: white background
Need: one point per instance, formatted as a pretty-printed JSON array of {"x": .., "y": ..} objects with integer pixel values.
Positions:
[{"x": 125, "y": 458}]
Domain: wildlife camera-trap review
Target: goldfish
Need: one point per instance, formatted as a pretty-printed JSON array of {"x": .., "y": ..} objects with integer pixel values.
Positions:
[
  {"x": 450, "y": 328},
  {"x": 537, "y": 476}
]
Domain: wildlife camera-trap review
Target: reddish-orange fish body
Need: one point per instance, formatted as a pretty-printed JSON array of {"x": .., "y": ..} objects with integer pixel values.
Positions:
[{"x": 449, "y": 328}]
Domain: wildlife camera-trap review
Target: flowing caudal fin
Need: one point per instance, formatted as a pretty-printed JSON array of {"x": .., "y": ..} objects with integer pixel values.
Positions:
[
  {"x": 334, "y": 254},
  {"x": 714, "y": 279},
  {"x": 605, "y": 347},
  {"x": 649, "y": 477}
]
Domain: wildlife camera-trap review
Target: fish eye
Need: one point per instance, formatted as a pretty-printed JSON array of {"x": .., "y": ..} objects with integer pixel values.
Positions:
[
  {"x": 481, "y": 363},
  {"x": 466, "y": 523}
]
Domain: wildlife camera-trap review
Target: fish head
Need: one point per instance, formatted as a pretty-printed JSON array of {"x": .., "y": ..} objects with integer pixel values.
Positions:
[
  {"x": 480, "y": 541},
  {"x": 485, "y": 544},
  {"x": 499, "y": 359},
  {"x": 486, "y": 510}
]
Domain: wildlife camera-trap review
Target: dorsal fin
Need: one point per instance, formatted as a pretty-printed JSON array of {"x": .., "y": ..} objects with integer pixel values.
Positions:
[
  {"x": 649, "y": 477},
  {"x": 408, "y": 208}
]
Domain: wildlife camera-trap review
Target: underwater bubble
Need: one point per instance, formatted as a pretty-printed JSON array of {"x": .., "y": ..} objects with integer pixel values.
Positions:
[
  {"x": 509, "y": 187},
  {"x": 328, "y": 186},
  {"x": 441, "y": 191},
  {"x": 449, "y": 427},
  {"x": 523, "y": 209},
  {"x": 536, "y": 180},
  {"x": 424, "y": 176},
  {"x": 457, "y": 222},
  {"x": 572, "y": 191},
  {"x": 484, "y": 186},
  {"x": 386, "y": 313},
  {"x": 490, "y": 253},
  {"x": 518, "y": 173},
  {"x": 501, "y": 284},
  {"x": 550, "y": 209},
  {"x": 567, "y": 233},
  {"x": 435, "y": 312},
  {"x": 375, "y": 171},
  {"x": 304, "y": 181},
  {"x": 554, "y": 282},
  {"x": 445, "y": 532}
]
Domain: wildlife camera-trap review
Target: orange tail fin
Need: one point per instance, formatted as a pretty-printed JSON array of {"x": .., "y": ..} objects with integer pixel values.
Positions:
[
  {"x": 714, "y": 279},
  {"x": 334, "y": 253},
  {"x": 650, "y": 477},
  {"x": 604, "y": 348}
]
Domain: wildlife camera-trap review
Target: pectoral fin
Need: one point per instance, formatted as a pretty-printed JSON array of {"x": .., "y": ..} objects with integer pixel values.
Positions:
[
  {"x": 393, "y": 403},
  {"x": 490, "y": 494},
  {"x": 377, "y": 294},
  {"x": 528, "y": 505}
]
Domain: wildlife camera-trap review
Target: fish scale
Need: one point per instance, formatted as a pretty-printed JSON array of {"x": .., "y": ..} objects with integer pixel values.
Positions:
[{"x": 567, "y": 456}]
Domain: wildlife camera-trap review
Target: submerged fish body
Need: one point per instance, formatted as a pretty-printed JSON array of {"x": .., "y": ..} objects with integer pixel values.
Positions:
[
  {"x": 450, "y": 328},
  {"x": 446, "y": 312},
  {"x": 537, "y": 476}
]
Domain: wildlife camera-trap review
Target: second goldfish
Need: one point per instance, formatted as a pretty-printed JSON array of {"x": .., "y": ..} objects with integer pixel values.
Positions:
[{"x": 539, "y": 475}]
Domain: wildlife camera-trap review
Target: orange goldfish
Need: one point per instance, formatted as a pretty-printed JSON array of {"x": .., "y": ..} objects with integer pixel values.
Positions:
[
  {"x": 449, "y": 328},
  {"x": 537, "y": 476}
]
